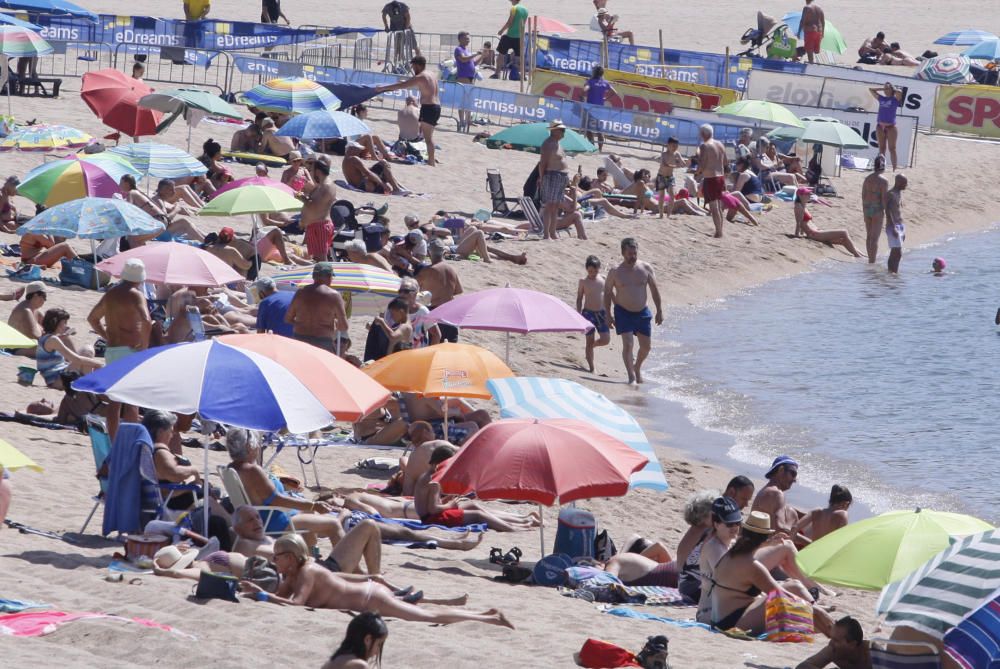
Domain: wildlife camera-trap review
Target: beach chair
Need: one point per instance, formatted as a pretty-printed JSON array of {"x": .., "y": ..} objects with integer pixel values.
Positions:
[
  {"x": 100, "y": 445},
  {"x": 238, "y": 496},
  {"x": 498, "y": 198},
  {"x": 532, "y": 215},
  {"x": 904, "y": 655}
]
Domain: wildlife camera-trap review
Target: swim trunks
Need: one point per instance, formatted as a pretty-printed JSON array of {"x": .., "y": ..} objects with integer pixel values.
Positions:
[
  {"x": 448, "y": 518},
  {"x": 325, "y": 343},
  {"x": 664, "y": 183},
  {"x": 319, "y": 238},
  {"x": 430, "y": 114},
  {"x": 553, "y": 187},
  {"x": 638, "y": 322},
  {"x": 448, "y": 332},
  {"x": 713, "y": 188},
  {"x": 508, "y": 43},
  {"x": 116, "y": 353},
  {"x": 598, "y": 318},
  {"x": 813, "y": 38},
  {"x": 896, "y": 236}
]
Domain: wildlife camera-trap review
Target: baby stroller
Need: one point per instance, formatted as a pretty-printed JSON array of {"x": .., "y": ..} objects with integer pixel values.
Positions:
[
  {"x": 347, "y": 227},
  {"x": 770, "y": 36}
]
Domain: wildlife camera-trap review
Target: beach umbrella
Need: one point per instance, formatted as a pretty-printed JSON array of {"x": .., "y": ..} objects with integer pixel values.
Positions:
[
  {"x": 191, "y": 103},
  {"x": 18, "y": 42},
  {"x": 43, "y": 137},
  {"x": 530, "y": 136},
  {"x": 49, "y": 7},
  {"x": 251, "y": 200},
  {"x": 161, "y": 161},
  {"x": 114, "y": 97},
  {"x": 442, "y": 370},
  {"x": 253, "y": 181},
  {"x": 985, "y": 50},
  {"x": 822, "y": 130},
  {"x": 347, "y": 277},
  {"x": 975, "y": 642},
  {"x": 769, "y": 113},
  {"x": 833, "y": 41},
  {"x": 74, "y": 177},
  {"x": 343, "y": 389},
  {"x": 965, "y": 37},
  {"x": 324, "y": 124},
  {"x": 952, "y": 584},
  {"x": 174, "y": 263},
  {"x": 14, "y": 21},
  {"x": 11, "y": 338},
  {"x": 12, "y": 459},
  {"x": 544, "y": 24},
  {"x": 875, "y": 552},
  {"x": 291, "y": 95},
  {"x": 534, "y": 397},
  {"x": 947, "y": 69},
  {"x": 93, "y": 218},
  {"x": 510, "y": 310}
]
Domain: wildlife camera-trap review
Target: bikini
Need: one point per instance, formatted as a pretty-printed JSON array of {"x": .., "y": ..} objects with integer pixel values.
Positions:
[{"x": 728, "y": 622}]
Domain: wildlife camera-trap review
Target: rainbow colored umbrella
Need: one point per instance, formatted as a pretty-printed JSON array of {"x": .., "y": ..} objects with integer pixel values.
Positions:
[
  {"x": 75, "y": 177},
  {"x": 347, "y": 276},
  {"x": 947, "y": 69},
  {"x": 43, "y": 137},
  {"x": 291, "y": 95}
]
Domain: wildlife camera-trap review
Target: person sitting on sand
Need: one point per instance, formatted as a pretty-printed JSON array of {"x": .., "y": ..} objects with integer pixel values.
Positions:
[
  {"x": 306, "y": 583},
  {"x": 847, "y": 648},
  {"x": 246, "y": 140},
  {"x": 805, "y": 228},
  {"x": 642, "y": 191},
  {"x": 270, "y": 143},
  {"x": 432, "y": 511},
  {"x": 53, "y": 356},
  {"x": 642, "y": 562},
  {"x": 362, "y": 644},
  {"x": 164, "y": 207},
  {"x": 739, "y": 587},
  {"x": 726, "y": 520},
  {"x": 26, "y": 316},
  {"x": 400, "y": 335},
  {"x": 44, "y": 250},
  {"x": 740, "y": 490},
  {"x": 820, "y": 522},
  {"x": 698, "y": 516},
  {"x": 378, "y": 179},
  {"x": 357, "y": 252},
  {"x": 746, "y": 182},
  {"x": 218, "y": 173},
  {"x": 9, "y": 218},
  {"x": 871, "y": 49}
]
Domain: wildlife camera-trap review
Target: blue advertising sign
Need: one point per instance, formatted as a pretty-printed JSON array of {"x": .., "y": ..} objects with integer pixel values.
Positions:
[{"x": 267, "y": 67}]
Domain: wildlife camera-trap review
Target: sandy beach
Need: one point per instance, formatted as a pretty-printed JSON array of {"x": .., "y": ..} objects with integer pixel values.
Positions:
[{"x": 951, "y": 189}]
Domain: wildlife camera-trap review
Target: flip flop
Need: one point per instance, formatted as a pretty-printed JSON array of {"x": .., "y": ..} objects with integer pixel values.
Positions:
[{"x": 414, "y": 597}]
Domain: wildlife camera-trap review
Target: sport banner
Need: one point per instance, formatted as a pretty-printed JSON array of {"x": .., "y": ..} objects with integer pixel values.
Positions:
[
  {"x": 710, "y": 96},
  {"x": 633, "y": 98},
  {"x": 974, "y": 110}
]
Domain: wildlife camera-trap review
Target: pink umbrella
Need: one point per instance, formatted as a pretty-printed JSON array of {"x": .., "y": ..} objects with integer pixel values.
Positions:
[
  {"x": 253, "y": 181},
  {"x": 510, "y": 310},
  {"x": 544, "y": 24},
  {"x": 174, "y": 263}
]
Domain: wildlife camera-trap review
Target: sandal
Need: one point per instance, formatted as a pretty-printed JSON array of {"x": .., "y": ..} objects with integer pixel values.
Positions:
[{"x": 511, "y": 557}]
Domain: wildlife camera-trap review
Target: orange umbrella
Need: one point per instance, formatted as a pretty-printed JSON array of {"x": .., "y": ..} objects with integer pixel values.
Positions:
[
  {"x": 444, "y": 370},
  {"x": 342, "y": 388}
]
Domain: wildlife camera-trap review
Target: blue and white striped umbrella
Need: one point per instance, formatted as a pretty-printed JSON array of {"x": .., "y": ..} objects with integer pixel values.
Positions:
[
  {"x": 985, "y": 50},
  {"x": 93, "y": 218},
  {"x": 221, "y": 383},
  {"x": 324, "y": 124},
  {"x": 965, "y": 37},
  {"x": 160, "y": 160},
  {"x": 535, "y": 397},
  {"x": 975, "y": 642}
]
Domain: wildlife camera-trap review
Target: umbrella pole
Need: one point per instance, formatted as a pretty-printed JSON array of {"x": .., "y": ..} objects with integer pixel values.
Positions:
[
  {"x": 93, "y": 255},
  {"x": 506, "y": 352},
  {"x": 445, "y": 400},
  {"x": 189, "y": 138},
  {"x": 204, "y": 494},
  {"x": 253, "y": 237},
  {"x": 541, "y": 530},
  {"x": 5, "y": 79}
]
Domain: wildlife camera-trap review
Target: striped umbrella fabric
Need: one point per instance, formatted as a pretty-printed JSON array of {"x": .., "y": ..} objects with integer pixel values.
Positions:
[
  {"x": 347, "y": 276},
  {"x": 93, "y": 218},
  {"x": 161, "y": 161},
  {"x": 18, "y": 42},
  {"x": 74, "y": 177},
  {"x": 975, "y": 642},
  {"x": 324, "y": 124},
  {"x": 44, "y": 137},
  {"x": 534, "y": 397},
  {"x": 291, "y": 95},
  {"x": 957, "y": 581},
  {"x": 947, "y": 69},
  {"x": 965, "y": 37}
]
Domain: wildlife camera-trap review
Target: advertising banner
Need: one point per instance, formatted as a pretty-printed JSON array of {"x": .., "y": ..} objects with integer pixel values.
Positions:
[
  {"x": 974, "y": 110},
  {"x": 633, "y": 98},
  {"x": 267, "y": 67},
  {"x": 710, "y": 96}
]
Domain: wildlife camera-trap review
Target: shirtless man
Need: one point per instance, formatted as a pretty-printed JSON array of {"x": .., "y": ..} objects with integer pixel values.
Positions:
[
  {"x": 121, "y": 318},
  {"x": 771, "y": 498},
  {"x": 357, "y": 252},
  {"x": 378, "y": 179},
  {"x": 895, "y": 230},
  {"x": 460, "y": 414},
  {"x": 315, "y": 219},
  {"x": 272, "y": 144},
  {"x": 246, "y": 140},
  {"x": 813, "y": 24},
  {"x": 712, "y": 167},
  {"x": 847, "y": 648},
  {"x": 874, "y": 192},
  {"x": 820, "y": 522},
  {"x": 872, "y": 48},
  {"x": 441, "y": 279},
  {"x": 740, "y": 490},
  {"x": 426, "y": 83},
  {"x": 553, "y": 178},
  {"x": 669, "y": 159},
  {"x": 415, "y": 464},
  {"x": 625, "y": 288},
  {"x": 26, "y": 316},
  {"x": 408, "y": 120},
  {"x": 317, "y": 311}
]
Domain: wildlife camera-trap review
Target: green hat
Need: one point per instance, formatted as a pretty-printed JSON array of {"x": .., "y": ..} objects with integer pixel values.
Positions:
[{"x": 323, "y": 269}]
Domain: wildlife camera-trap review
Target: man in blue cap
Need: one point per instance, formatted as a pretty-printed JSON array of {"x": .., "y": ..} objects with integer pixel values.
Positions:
[{"x": 771, "y": 498}]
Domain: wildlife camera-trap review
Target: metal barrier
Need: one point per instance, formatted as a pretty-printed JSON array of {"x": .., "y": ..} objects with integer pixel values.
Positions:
[
  {"x": 354, "y": 49},
  {"x": 74, "y": 59},
  {"x": 177, "y": 65}
]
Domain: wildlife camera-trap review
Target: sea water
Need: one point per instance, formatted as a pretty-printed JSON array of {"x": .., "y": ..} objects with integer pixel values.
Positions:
[{"x": 887, "y": 384}]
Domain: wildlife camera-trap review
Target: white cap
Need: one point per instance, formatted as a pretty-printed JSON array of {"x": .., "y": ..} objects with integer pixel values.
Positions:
[{"x": 134, "y": 271}]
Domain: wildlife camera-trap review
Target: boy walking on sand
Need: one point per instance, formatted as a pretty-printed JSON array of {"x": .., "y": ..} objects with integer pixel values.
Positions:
[
  {"x": 669, "y": 159},
  {"x": 590, "y": 304}
]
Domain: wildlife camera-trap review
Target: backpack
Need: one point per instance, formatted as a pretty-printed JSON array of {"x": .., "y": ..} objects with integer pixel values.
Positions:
[{"x": 604, "y": 547}]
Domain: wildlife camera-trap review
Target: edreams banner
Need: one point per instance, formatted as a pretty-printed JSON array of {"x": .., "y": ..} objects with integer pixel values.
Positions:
[{"x": 973, "y": 110}]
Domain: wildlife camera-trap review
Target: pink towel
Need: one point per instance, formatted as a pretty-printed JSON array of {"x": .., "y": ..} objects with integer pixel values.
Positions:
[{"x": 41, "y": 623}]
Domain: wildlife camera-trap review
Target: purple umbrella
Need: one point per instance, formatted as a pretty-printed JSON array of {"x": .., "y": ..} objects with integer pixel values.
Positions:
[{"x": 510, "y": 310}]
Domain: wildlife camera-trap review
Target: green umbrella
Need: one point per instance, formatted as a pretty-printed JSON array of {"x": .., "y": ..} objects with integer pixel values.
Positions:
[
  {"x": 760, "y": 110},
  {"x": 191, "y": 103},
  {"x": 530, "y": 136},
  {"x": 250, "y": 200},
  {"x": 877, "y": 551},
  {"x": 822, "y": 130}
]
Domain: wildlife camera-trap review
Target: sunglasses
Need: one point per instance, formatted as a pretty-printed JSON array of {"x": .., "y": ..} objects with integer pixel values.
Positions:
[{"x": 406, "y": 291}]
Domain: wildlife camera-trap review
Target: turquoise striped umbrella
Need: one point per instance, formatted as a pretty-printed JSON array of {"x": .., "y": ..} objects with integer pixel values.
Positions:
[
  {"x": 291, "y": 95},
  {"x": 18, "y": 42},
  {"x": 955, "y": 582},
  {"x": 160, "y": 160},
  {"x": 533, "y": 397}
]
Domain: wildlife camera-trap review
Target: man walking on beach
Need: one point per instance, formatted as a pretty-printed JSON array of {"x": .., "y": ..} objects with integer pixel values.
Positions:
[
  {"x": 874, "y": 191},
  {"x": 317, "y": 311},
  {"x": 121, "y": 318},
  {"x": 426, "y": 82},
  {"x": 625, "y": 288},
  {"x": 813, "y": 24},
  {"x": 553, "y": 177},
  {"x": 510, "y": 36},
  {"x": 895, "y": 230},
  {"x": 712, "y": 166}
]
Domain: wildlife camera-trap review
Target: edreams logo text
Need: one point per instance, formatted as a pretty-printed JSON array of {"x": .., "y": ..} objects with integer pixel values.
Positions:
[
  {"x": 58, "y": 34},
  {"x": 141, "y": 37}
]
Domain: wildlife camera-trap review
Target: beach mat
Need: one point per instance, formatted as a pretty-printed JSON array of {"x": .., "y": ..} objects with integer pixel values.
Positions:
[{"x": 416, "y": 525}]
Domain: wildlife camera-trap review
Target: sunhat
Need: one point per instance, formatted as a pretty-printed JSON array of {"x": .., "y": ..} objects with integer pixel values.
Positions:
[
  {"x": 779, "y": 461},
  {"x": 758, "y": 522},
  {"x": 170, "y": 557},
  {"x": 134, "y": 271}
]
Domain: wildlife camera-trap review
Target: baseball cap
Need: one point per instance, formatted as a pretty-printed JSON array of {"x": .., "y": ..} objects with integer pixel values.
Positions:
[
  {"x": 323, "y": 269},
  {"x": 411, "y": 219},
  {"x": 226, "y": 234},
  {"x": 264, "y": 283},
  {"x": 778, "y": 462},
  {"x": 34, "y": 287},
  {"x": 726, "y": 510}
]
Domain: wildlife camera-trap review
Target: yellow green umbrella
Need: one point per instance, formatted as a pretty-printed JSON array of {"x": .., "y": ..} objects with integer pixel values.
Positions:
[
  {"x": 11, "y": 338},
  {"x": 12, "y": 459},
  {"x": 875, "y": 552}
]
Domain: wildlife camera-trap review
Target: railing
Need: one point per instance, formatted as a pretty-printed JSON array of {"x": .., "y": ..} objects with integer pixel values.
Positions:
[{"x": 178, "y": 65}]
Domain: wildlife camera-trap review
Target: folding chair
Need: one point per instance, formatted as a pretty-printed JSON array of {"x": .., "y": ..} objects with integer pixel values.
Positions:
[
  {"x": 498, "y": 198},
  {"x": 238, "y": 496},
  {"x": 532, "y": 215},
  {"x": 100, "y": 445},
  {"x": 917, "y": 655}
]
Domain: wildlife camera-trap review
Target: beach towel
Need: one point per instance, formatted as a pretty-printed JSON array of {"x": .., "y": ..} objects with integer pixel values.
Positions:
[
  {"x": 18, "y": 605},
  {"x": 130, "y": 467},
  {"x": 658, "y": 595},
  {"x": 46, "y": 622},
  {"x": 346, "y": 186},
  {"x": 358, "y": 516},
  {"x": 351, "y": 94},
  {"x": 626, "y": 612}
]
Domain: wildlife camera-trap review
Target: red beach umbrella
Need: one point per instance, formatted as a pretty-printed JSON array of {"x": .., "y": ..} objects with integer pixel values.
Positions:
[{"x": 114, "y": 97}]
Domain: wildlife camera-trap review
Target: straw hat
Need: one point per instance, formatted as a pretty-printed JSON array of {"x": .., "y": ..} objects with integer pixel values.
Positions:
[
  {"x": 171, "y": 557},
  {"x": 758, "y": 522},
  {"x": 557, "y": 125}
]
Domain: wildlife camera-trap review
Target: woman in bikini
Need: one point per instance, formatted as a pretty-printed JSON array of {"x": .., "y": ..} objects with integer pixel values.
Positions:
[
  {"x": 211, "y": 158},
  {"x": 296, "y": 176},
  {"x": 362, "y": 644},
  {"x": 889, "y": 101},
  {"x": 698, "y": 515},
  {"x": 805, "y": 228},
  {"x": 401, "y": 336}
]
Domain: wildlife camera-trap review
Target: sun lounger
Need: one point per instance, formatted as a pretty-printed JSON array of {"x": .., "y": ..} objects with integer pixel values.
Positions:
[
  {"x": 100, "y": 445},
  {"x": 238, "y": 496}
]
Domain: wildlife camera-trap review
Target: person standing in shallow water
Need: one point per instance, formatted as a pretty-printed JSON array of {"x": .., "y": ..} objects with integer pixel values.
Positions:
[
  {"x": 625, "y": 289},
  {"x": 895, "y": 230},
  {"x": 874, "y": 191}
]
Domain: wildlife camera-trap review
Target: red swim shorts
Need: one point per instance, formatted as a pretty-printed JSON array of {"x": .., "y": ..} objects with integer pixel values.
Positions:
[
  {"x": 448, "y": 518},
  {"x": 812, "y": 41},
  {"x": 713, "y": 188},
  {"x": 319, "y": 238}
]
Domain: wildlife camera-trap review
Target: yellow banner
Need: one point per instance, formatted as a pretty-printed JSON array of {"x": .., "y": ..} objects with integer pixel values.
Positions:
[
  {"x": 633, "y": 98},
  {"x": 974, "y": 110},
  {"x": 710, "y": 96}
]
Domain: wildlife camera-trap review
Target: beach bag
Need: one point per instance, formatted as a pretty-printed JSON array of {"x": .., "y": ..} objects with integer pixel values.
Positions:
[
  {"x": 79, "y": 272},
  {"x": 787, "y": 620},
  {"x": 551, "y": 570},
  {"x": 598, "y": 654},
  {"x": 576, "y": 533},
  {"x": 217, "y": 586}
]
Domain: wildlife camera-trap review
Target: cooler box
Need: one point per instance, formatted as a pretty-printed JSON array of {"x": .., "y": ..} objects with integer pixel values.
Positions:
[{"x": 575, "y": 533}]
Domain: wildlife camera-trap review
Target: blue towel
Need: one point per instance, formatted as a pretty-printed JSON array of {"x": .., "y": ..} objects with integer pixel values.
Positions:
[
  {"x": 632, "y": 613},
  {"x": 417, "y": 525},
  {"x": 131, "y": 480},
  {"x": 351, "y": 94},
  {"x": 17, "y": 605}
]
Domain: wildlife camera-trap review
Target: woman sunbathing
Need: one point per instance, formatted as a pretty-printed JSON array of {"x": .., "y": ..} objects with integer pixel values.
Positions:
[
  {"x": 804, "y": 226},
  {"x": 305, "y": 583}
]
